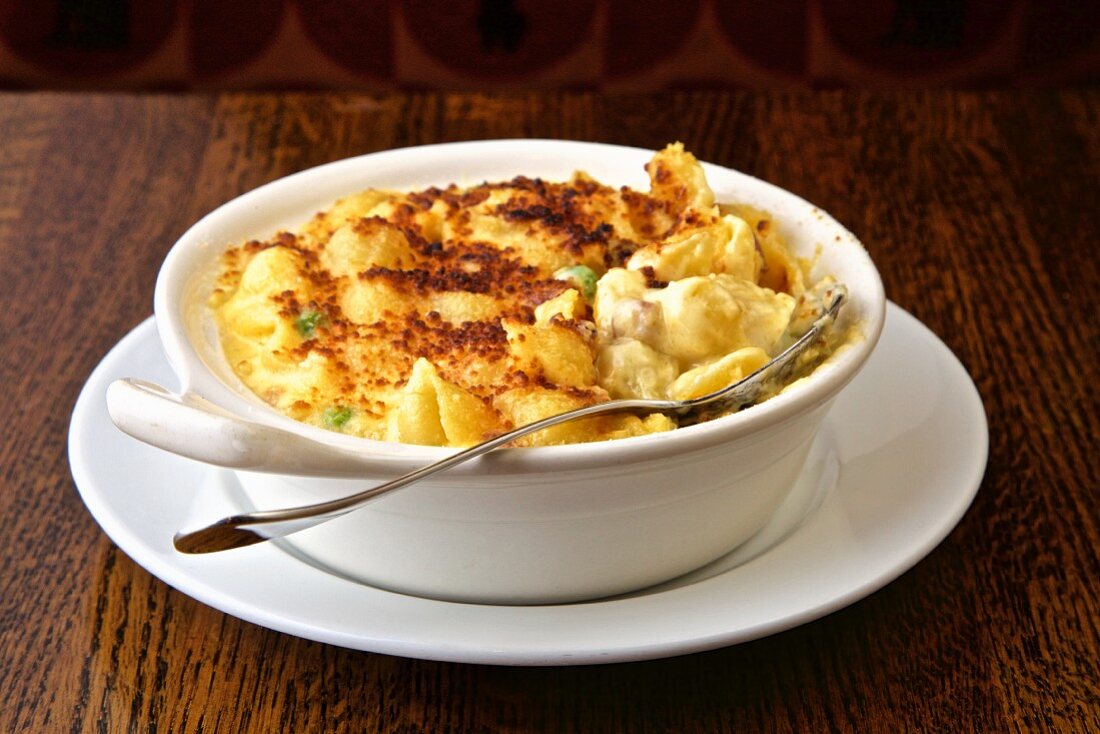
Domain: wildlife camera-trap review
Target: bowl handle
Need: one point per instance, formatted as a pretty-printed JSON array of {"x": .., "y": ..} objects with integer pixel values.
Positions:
[{"x": 193, "y": 427}]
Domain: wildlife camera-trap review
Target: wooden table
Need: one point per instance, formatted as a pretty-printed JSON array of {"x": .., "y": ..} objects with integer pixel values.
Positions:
[{"x": 982, "y": 212}]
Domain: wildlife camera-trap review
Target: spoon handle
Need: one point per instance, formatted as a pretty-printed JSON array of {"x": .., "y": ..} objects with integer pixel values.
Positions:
[{"x": 238, "y": 531}]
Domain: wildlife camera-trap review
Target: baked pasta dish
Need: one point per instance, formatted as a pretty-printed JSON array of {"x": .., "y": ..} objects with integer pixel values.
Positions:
[{"x": 448, "y": 315}]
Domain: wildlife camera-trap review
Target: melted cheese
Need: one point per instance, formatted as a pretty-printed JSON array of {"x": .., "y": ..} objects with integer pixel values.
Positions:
[{"x": 435, "y": 316}]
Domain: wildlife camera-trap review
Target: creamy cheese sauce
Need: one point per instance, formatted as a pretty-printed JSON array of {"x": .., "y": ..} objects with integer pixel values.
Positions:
[{"x": 445, "y": 316}]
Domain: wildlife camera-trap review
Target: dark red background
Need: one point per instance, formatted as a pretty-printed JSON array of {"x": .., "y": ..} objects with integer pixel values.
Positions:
[{"x": 599, "y": 44}]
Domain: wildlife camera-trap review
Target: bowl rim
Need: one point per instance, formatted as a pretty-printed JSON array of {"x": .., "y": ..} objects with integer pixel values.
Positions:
[{"x": 176, "y": 275}]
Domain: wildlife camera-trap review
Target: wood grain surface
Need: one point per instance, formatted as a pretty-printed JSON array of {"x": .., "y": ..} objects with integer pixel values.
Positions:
[{"x": 981, "y": 210}]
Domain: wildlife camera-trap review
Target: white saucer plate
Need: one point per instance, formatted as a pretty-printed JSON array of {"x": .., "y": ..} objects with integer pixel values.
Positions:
[{"x": 897, "y": 463}]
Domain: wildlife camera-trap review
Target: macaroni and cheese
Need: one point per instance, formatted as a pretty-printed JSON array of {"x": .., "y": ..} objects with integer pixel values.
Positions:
[{"x": 447, "y": 315}]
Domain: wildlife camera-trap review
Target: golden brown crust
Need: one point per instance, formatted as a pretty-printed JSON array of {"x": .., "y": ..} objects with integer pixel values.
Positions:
[
  {"x": 568, "y": 221},
  {"x": 444, "y": 315}
]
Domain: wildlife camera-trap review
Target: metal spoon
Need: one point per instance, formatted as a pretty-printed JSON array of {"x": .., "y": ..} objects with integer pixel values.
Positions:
[{"x": 237, "y": 531}]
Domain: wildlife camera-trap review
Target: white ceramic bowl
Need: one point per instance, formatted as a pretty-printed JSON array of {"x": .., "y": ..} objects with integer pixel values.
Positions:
[{"x": 522, "y": 526}]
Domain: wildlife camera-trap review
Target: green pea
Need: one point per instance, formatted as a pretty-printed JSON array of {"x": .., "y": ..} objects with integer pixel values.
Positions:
[
  {"x": 581, "y": 276},
  {"x": 307, "y": 322},
  {"x": 336, "y": 417}
]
